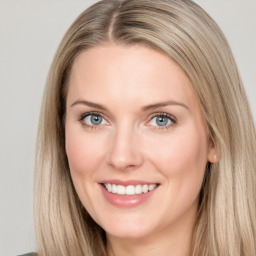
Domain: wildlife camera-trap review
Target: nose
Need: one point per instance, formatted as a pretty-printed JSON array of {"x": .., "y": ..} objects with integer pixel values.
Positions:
[{"x": 124, "y": 149}]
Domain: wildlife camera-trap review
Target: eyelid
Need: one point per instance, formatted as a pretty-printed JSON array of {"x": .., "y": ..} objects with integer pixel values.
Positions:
[
  {"x": 162, "y": 114},
  {"x": 153, "y": 115},
  {"x": 82, "y": 116}
]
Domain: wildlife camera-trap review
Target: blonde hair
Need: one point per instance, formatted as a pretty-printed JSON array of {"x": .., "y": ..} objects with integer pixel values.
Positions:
[{"x": 226, "y": 223}]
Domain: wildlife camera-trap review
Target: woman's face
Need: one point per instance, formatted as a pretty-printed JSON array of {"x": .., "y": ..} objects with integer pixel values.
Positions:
[{"x": 136, "y": 140}]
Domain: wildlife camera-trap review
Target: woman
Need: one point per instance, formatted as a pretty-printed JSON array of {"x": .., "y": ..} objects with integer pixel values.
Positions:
[{"x": 146, "y": 140}]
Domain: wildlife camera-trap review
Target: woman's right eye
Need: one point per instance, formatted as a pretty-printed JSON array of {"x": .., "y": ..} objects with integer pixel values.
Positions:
[{"x": 93, "y": 120}]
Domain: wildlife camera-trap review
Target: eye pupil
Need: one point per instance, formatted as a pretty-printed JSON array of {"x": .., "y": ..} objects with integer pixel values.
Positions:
[
  {"x": 96, "y": 120},
  {"x": 161, "y": 120}
]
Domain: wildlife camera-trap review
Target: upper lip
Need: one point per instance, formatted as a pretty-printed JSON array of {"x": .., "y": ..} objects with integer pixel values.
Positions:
[{"x": 127, "y": 182}]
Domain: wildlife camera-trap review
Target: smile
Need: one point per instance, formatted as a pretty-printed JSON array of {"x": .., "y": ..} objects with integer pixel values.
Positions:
[
  {"x": 130, "y": 189},
  {"x": 128, "y": 193}
]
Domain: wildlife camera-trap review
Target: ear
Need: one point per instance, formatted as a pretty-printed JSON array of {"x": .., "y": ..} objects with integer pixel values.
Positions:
[{"x": 213, "y": 154}]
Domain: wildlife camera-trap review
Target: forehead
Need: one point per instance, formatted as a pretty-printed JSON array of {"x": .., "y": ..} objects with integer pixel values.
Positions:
[{"x": 131, "y": 73}]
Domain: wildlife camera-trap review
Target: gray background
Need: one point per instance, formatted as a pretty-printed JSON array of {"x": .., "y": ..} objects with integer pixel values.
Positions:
[{"x": 30, "y": 31}]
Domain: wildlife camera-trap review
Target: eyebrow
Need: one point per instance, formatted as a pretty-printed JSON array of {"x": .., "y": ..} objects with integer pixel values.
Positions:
[
  {"x": 164, "y": 104},
  {"x": 145, "y": 108},
  {"x": 90, "y": 104}
]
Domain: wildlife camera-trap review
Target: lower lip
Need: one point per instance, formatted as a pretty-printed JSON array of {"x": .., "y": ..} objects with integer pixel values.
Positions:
[{"x": 127, "y": 200}]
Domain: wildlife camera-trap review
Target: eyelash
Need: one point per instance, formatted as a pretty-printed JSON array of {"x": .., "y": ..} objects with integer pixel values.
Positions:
[
  {"x": 162, "y": 114},
  {"x": 158, "y": 114},
  {"x": 83, "y": 116}
]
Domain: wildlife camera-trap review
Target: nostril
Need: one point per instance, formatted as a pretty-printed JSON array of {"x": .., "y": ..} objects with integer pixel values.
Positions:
[{"x": 124, "y": 151}]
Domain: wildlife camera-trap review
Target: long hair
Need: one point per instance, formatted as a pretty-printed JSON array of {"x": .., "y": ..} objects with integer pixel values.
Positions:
[{"x": 226, "y": 220}]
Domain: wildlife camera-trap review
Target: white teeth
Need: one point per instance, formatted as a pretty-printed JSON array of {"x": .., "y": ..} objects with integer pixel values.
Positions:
[
  {"x": 120, "y": 190},
  {"x": 130, "y": 189},
  {"x": 109, "y": 187},
  {"x": 151, "y": 187},
  {"x": 145, "y": 188},
  {"x": 138, "y": 189},
  {"x": 113, "y": 189}
]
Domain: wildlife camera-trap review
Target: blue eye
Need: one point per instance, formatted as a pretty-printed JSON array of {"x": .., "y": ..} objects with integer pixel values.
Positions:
[
  {"x": 94, "y": 120},
  {"x": 161, "y": 121}
]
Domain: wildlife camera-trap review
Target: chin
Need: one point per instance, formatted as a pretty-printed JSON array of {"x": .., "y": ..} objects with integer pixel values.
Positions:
[
  {"x": 129, "y": 234},
  {"x": 129, "y": 230}
]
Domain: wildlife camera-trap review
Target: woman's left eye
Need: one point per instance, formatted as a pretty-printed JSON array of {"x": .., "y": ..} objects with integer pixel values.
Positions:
[{"x": 161, "y": 121}]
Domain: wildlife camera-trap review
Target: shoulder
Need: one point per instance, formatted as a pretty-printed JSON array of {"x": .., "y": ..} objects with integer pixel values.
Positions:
[{"x": 29, "y": 254}]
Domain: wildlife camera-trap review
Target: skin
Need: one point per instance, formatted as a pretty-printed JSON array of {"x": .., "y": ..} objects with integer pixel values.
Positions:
[{"x": 130, "y": 145}]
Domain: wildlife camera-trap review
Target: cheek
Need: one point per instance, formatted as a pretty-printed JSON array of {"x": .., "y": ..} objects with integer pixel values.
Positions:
[
  {"x": 182, "y": 158},
  {"x": 77, "y": 152},
  {"x": 82, "y": 151},
  {"x": 182, "y": 162},
  {"x": 84, "y": 158}
]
